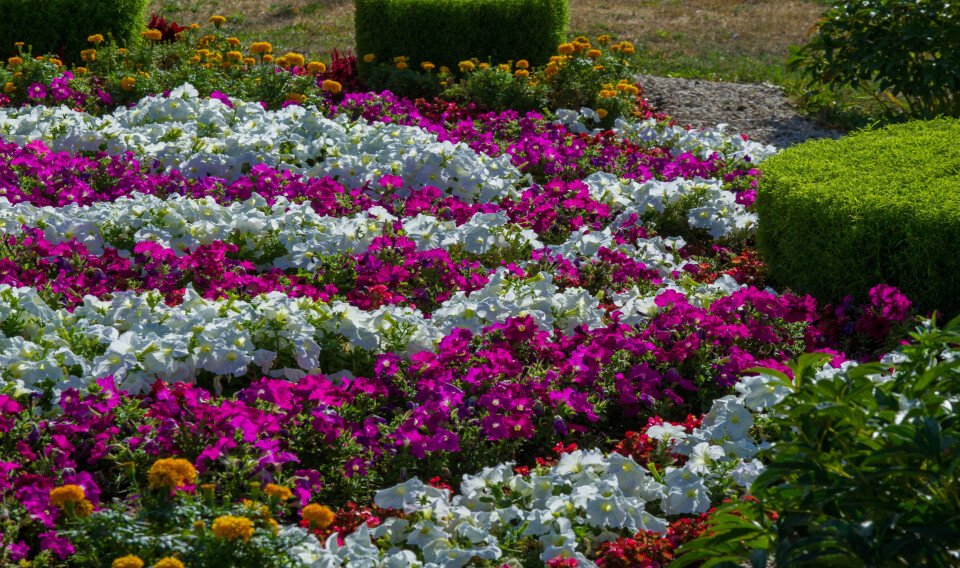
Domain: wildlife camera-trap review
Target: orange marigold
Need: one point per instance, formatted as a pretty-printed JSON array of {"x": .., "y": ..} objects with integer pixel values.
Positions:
[
  {"x": 274, "y": 490},
  {"x": 230, "y": 528},
  {"x": 171, "y": 473},
  {"x": 261, "y": 48},
  {"x": 318, "y": 515},
  {"x": 368, "y": 58},
  {"x": 61, "y": 495},
  {"x": 96, "y": 39},
  {"x": 217, "y": 21},
  {"x": 331, "y": 86},
  {"x": 565, "y": 49}
]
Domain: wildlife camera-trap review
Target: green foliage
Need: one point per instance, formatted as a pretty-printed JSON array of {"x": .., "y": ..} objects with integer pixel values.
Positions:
[
  {"x": 866, "y": 471},
  {"x": 841, "y": 216},
  {"x": 63, "y": 26},
  {"x": 446, "y": 32},
  {"x": 899, "y": 47}
]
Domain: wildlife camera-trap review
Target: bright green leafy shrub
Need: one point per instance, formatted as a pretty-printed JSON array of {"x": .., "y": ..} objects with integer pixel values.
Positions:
[
  {"x": 446, "y": 32},
  {"x": 838, "y": 217},
  {"x": 866, "y": 471},
  {"x": 909, "y": 48},
  {"x": 62, "y": 26}
]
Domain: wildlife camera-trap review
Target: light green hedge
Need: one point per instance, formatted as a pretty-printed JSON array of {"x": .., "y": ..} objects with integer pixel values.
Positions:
[
  {"x": 63, "y": 26},
  {"x": 446, "y": 32},
  {"x": 840, "y": 216}
]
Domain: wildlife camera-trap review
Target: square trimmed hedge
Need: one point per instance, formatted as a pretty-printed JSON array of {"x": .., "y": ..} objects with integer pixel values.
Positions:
[
  {"x": 446, "y": 32},
  {"x": 61, "y": 27}
]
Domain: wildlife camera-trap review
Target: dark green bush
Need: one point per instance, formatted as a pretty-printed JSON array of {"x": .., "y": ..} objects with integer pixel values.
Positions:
[
  {"x": 838, "y": 217},
  {"x": 446, "y": 32},
  {"x": 865, "y": 473},
  {"x": 909, "y": 48},
  {"x": 61, "y": 27}
]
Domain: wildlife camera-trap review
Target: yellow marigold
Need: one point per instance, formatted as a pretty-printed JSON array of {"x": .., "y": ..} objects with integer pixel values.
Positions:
[
  {"x": 331, "y": 86},
  {"x": 504, "y": 67},
  {"x": 83, "y": 509},
  {"x": 168, "y": 562},
  {"x": 316, "y": 67},
  {"x": 96, "y": 39},
  {"x": 318, "y": 515},
  {"x": 217, "y": 21},
  {"x": 427, "y": 66},
  {"x": 580, "y": 47},
  {"x": 581, "y": 39},
  {"x": 605, "y": 94},
  {"x": 368, "y": 58},
  {"x": 401, "y": 65},
  {"x": 444, "y": 69},
  {"x": 14, "y": 60},
  {"x": 593, "y": 53},
  {"x": 281, "y": 61},
  {"x": 565, "y": 49},
  {"x": 274, "y": 490},
  {"x": 601, "y": 112},
  {"x": 88, "y": 55},
  {"x": 194, "y": 26},
  {"x": 231, "y": 528},
  {"x": 226, "y": 65},
  {"x": 604, "y": 39},
  {"x": 294, "y": 59},
  {"x": 233, "y": 41},
  {"x": 268, "y": 59},
  {"x": 152, "y": 35},
  {"x": 523, "y": 64},
  {"x": 249, "y": 61},
  {"x": 195, "y": 59},
  {"x": 483, "y": 66},
  {"x": 399, "y": 58},
  {"x": 61, "y": 495},
  {"x": 626, "y": 47},
  {"x": 467, "y": 66},
  {"x": 171, "y": 473},
  {"x": 551, "y": 69},
  {"x": 122, "y": 50},
  {"x": 203, "y": 52},
  {"x": 234, "y": 56},
  {"x": 81, "y": 70},
  {"x": 56, "y": 62},
  {"x": 296, "y": 97},
  {"x": 128, "y": 561},
  {"x": 274, "y": 526},
  {"x": 521, "y": 73},
  {"x": 261, "y": 48}
]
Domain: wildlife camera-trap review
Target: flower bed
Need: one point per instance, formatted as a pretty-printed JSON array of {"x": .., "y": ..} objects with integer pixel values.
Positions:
[{"x": 349, "y": 334}]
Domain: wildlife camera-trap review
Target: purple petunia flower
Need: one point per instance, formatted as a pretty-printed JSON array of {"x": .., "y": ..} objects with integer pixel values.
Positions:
[{"x": 36, "y": 91}]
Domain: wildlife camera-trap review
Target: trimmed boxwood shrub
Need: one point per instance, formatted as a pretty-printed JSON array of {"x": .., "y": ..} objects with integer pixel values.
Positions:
[
  {"x": 838, "y": 217},
  {"x": 61, "y": 27},
  {"x": 446, "y": 32}
]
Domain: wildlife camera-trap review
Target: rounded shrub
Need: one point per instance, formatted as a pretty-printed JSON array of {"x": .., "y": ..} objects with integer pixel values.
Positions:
[
  {"x": 838, "y": 217},
  {"x": 61, "y": 27}
]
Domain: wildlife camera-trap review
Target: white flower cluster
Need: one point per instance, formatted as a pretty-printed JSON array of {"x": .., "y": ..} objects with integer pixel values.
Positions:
[
  {"x": 205, "y": 137},
  {"x": 181, "y": 223},
  {"x": 702, "y": 143}
]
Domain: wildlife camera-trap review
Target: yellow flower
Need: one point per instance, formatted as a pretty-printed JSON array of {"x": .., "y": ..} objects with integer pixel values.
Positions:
[
  {"x": 152, "y": 35},
  {"x": 203, "y": 52},
  {"x": 483, "y": 66},
  {"x": 399, "y": 58},
  {"x": 521, "y": 73},
  {"x": 88, "y": 55},
  {"x": 226, "y": 65},
  {"x": 274, "y": 490},
  {"x": 56, "y": 62},
  {"x": 234, "y": 56},
  {"x": 233, "y": 41},
  {"x": 249, "y": 61},
  {"x": 593, "y": 53},
  {"x": 168, "y": 562},
  {"x": 217, "y": 21},
  {"x": 368, "y": 58},
  {"x": 296, "y": 97},
  {"x": 331, "y": 86},
  {"x": 444, "y": 69},
  {"x": 274, "y": 526},
  {"x": 401, "y": 65},
  {"x": 122, "y": 50},
  {"x": 83, "y": 509},
  {"x": 95, "y": 39},
  {"x": 523, "y": 64},
  {"x": 605, "y": 94},
  {"x": 427, "y": 66},
  {"x": 261, "y": 48},
  {"x": 467, "y": 66},
  {"x": 14, "y": 61},
  {"x": 281, "y": 61},
  {"x": 615, "y": 47},
  {"x": 194, "y": 26},
  {"x": 195, "y": 59},
  {"x": 603, "y": 40},
  {"x": 581, "y": 39},
  {"x": 601, "y": 112},
  {"x": 129, "y": 561},
  {"x": 504, "y": 67},
  {"x": 268, "y": 59},
  {"x": 580, "y": 46},
  {"x": 170, "y": 472},
  {"x": 316, "y": 67},
  {"x": 231, "y": 528},
  {"x": 565, "y": 49},
  {"x": 20, "y": 44},
  {"x": 551, "y": 69},
  {"x": 81, "y": 70},
  {"x": 294, "y": 59},
  {"x": 61, "y": 495},
  {"x": 627, "y": 47},
  {"x": 318, "y": 515}
]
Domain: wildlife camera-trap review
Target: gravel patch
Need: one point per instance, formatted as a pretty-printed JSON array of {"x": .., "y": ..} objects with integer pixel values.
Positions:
[{"x": 759, "y": 110}]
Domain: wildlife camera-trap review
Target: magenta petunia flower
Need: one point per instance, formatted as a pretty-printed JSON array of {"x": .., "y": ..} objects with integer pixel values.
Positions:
[{"x": 36, "y": 91}]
